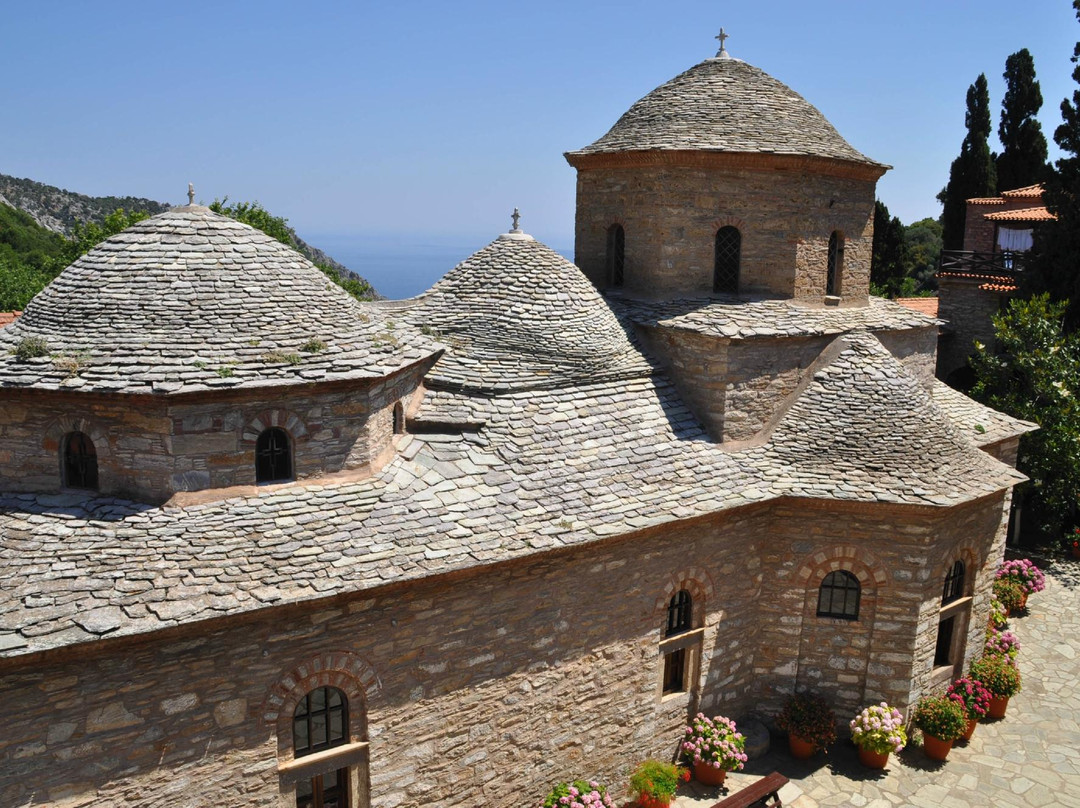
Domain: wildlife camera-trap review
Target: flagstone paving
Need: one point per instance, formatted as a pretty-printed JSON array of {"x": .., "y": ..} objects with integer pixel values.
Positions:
[{"x": 1030, "y": 759}]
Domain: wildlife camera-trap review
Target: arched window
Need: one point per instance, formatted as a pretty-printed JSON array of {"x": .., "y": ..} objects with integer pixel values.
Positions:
[
  {"x": 273, "y": 456},
  {"x": 399, "y": 419},
  {"x": 616, "y": 255},
  {"x": 726, "y": 257},
  {"x": 80, "y": 461},
  {"x": 948, "y": 650},
  {"x": 835, "y": 269},
  {"x": 839, "y": 596},
  {"x": 680, "y": 619},
  {"x": 321, "y": 722}
]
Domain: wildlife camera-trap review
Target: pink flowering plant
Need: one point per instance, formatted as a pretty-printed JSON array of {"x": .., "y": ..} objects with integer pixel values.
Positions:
[
  {"x": 972, "y": 694},
  {"x": 715, "y": 742},
  {"x": 1001, "y": 643},
  {"x": 999, "y": 615},
  {"x": 578, "y": 794},
  {"x": 879, "y": 728},
  {"x": 1024, "y": 573}
]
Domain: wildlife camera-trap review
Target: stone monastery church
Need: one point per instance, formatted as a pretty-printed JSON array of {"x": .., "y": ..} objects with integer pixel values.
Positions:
[{"x": 264, "y": 545}]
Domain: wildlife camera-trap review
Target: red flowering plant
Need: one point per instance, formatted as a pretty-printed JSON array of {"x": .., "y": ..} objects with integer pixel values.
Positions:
[
  {"x": 1009, "y": 593},
  {"x": 972, "y": 694},
  {"x": 940, "y": 716},
  {"x": 808, "y": 717},
  {"x": 657, "y": 780}
]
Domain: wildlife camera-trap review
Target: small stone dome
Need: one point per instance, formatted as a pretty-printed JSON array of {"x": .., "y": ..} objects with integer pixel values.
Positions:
[
  {"x": 190, "y": 300},
  {"x": 517, "y": 315},
  {"x": 725, "y": 105}
]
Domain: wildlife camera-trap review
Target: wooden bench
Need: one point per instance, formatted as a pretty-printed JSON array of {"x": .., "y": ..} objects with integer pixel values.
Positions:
[{"x": 757, "y": 794}]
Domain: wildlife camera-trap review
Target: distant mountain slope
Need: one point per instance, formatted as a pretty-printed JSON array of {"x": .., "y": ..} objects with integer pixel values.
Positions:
[{"x": 58, "y": 210}]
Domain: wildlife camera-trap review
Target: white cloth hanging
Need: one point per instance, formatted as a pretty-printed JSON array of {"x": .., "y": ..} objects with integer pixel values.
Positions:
[{"x": 1013, "y": 240}]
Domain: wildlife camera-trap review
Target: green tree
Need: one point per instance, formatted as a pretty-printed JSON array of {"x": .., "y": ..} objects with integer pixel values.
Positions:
[
  {"x": 1034, "y": 374},
  {"x": 87, "y": 235},
  {"x": 277, "y": 227},
  {"x": 922, "y": 250},
  {"x": 887, "y": 253},
  {"x": 972, "y": 173},
  {"x": 1023, "y": 158},
  {"x": 1056, "y": 255}
]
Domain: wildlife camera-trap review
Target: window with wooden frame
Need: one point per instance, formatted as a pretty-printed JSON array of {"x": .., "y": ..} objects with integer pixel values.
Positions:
[
  {"x": 835, "y": 267},
  {"x": 952, "y": 618},
  {"x": 727, "y": 255},
  {"x": 79, "y": 462},
  {"x": 616, "y": 255},
  {"x": 838, "y": 596},
  {"x": 321, "y": 722},
  {"x": 680, "y": 646},
  {"x": 273, "y": 456}
]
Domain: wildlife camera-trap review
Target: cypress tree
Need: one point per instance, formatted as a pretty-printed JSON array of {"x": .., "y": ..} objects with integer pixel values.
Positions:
[
  {"x": 972, "y": 173},
  {"x": 1023, "y": 158},
  {"x": 887, "y": 254}
]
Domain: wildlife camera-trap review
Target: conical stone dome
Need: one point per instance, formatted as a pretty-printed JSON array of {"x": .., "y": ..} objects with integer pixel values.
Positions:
[
  {"x": 189, "y": 300},
  {"x": 725, "y": 105},
  {"x": 517, "y": 315}
]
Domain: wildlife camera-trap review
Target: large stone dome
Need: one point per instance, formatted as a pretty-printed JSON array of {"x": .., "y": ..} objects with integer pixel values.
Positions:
[
  {"x": 517, "y": 315},
  {"x": 190, "y": 300},
  {"x": 725, "y": 105}
]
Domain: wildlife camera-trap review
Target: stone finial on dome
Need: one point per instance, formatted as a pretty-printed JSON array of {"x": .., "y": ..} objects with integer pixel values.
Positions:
[
  {"x": 516, "y": 233},
  {"x": 722, "y": 53},
  {"x": 191, "y": 193},
  {"x": 515, "y": 217}
]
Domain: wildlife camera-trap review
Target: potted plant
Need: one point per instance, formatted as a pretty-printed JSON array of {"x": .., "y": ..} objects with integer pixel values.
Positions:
[
  {"x": 653, "y": 783},
  {"x": 1001, "y": 677},
  {"x": 974, "y": 697},
  {"x": 999, "y": 615},
  {"x": 579, "y": 794},
  {"x": 1010, "y": 594},
  {"x": 714, "y": 747},
  {"x": 1001, "y": 643},
  {"x": 1021, "y": 570},
  {"x": 877, "y": 731},
  {"x": 942, "y": 721},
  {"x": 1074, "y": 543},
  {"x": 809, "y": 723}
]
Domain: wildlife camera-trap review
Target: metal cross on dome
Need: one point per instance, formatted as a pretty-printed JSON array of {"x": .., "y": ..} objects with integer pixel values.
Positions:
[{"x": 722, "y": 36}]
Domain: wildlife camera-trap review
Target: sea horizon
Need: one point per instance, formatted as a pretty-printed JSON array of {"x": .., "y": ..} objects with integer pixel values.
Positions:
[{"x": 402, "y": 266}]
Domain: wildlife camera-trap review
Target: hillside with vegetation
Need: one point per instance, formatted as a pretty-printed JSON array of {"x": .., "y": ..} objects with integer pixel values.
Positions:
[{"x": 44, "y": 228}]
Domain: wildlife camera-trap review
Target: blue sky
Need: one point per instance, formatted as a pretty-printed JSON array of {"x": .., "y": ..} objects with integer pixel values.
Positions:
[{"x": 434, "y": 120}]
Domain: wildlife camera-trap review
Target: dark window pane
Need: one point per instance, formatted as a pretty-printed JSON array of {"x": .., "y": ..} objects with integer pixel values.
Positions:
[
  {"x": 726, "y": 259},
  {"x": 954, "y": 583},
  {"x": 337, "y": 726},
  {"x": 80, "y": 462},
  {"x": 317, "y": 725},
  {"x": 273, "y": 456},
  {"x": 839, "y": 595},
  {"x": 300, "y": 734},
  {"x": 680, "y": 613},
  {"x": 835, "y": 265},
  {"x": 674, "y": 671},
  {"x": 943, "y": 650},
  {"x": 616, "y": 254},
  {"x": 318, "y": 729}
]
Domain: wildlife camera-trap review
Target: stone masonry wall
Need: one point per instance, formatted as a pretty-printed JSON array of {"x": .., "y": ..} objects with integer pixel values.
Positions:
[
  {"x": 486, "y": 687},
  {"x": 670, "y": 215},
  {"x": 967, "y": 311},
  {"x": 149, "y": 448},
  {"x": 735, "y": 386}
]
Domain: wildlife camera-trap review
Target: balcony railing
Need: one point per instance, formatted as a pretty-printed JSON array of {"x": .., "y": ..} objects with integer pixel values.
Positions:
[{"x": 966, "y": 262}]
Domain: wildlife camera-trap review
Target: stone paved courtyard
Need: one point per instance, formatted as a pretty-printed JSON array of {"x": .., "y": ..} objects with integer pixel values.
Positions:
[{"x": 1030, "y": 758}]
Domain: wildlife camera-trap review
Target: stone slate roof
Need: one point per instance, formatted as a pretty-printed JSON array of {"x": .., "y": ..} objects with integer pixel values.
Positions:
[
  {"x": 190, "y": 300},
  {"x": 725, "y": 105},
  {"x": 517, "y": 315},
  {"x": 740, "y": 318},
  {"x": 861, "y": 428},
  {"x": 982, "y": 424}
]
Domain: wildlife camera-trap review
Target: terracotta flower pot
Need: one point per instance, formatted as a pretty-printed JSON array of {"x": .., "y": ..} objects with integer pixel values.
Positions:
[
  {"x": 873, "y": 760},
  {"x": 645, "y": 801},
  {"x": 974, "y": 722},
  {"x": 801, "y": 749},
  {"x": 1075, "y": 550},
  {"x": 935, "y": 748},
  {"x": 998, "y": 705},
  {"x": 707, "y": 775}
]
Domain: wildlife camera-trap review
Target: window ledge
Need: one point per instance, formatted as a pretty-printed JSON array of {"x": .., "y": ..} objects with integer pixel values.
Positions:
[
  {"x": 308, "y": 766},
  {"x": 684, "y": 640},
  {"x": 954, "y": 607}
]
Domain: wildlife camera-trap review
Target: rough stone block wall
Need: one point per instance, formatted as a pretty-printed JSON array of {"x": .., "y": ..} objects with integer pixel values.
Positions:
[
  {"x": 967, "y": 311},
  {"x": 735, "y": 386},
  {"x": 670, "y": 215},
  {"x": 978, "y": 232},
  {"x": 149, "y": 448}
]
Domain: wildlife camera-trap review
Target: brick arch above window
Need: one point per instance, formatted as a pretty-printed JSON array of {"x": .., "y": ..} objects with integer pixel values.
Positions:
[
  {"x": 349, "y": 673},
  {"x": 285, "y": 419},
  {"x": 697, "y": 582},
  {"x": 863, "y": 564},
  {"x": 729, "y": 221},
  {"x": 53, "y": 438}
]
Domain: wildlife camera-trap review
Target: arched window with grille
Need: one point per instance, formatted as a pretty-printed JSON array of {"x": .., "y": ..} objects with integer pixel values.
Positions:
[
  {"x": 680, "y": 620},
  {"x": 273, "y": 456},
  {"x": 727, "y": 254},
  {"x": 616, "y": 255},
  {"x": 835, "y": 269},
  {"x": 838, "y": 596},
  {"x": 321, "y": 722},
  {"x": 79, "y": 461}
]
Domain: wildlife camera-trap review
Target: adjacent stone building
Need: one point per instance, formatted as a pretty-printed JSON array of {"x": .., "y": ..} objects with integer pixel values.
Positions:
[{"x": 262, "y": 545}]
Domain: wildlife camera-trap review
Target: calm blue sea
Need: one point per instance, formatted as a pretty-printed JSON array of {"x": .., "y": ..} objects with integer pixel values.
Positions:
[{"x": 400, "y": 267}]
